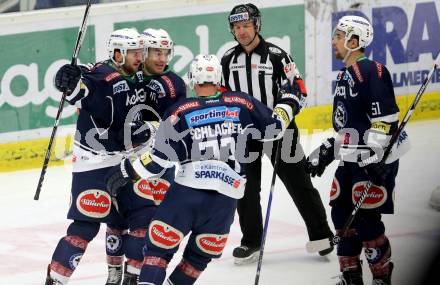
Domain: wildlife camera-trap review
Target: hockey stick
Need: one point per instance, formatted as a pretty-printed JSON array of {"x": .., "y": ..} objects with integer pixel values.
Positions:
[
  {"x": 79, "y": 40},
  {"x": 314, "y": 246},
  {"x": 269, "y": 206}
]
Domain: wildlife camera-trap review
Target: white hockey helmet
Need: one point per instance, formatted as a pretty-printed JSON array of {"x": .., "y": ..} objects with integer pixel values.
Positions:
[
  {"x": 158, "y": 38},
  {"x": 123, "y": 40},
  {"x": 205, "y": 68},
  {"x": 358, "y": 26}
]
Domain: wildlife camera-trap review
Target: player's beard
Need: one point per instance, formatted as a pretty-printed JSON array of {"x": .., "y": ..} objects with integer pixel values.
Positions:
[
  {"x": 130, "y": 69},
  {"x": 338, "y": 55}
]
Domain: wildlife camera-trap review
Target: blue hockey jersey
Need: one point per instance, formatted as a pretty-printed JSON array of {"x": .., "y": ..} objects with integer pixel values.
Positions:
[
  {"x": 107, "y": 106},
  {"x": 364, "y": 104},
  {"x": 163, "y": 91},
  {"x": 207, "y": 137}
]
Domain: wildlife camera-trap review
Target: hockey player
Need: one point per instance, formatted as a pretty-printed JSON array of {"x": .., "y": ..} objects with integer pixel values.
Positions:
[
  {"x": 258, "y": 67},
  {"x": 163, "y": 88},
  {"x": 206, "y": 135},
  {"x": 365, "y": 115},
  {"x": 105, "y": 96}
]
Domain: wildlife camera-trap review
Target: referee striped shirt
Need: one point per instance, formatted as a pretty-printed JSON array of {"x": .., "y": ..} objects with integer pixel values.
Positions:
[{"x": 259, "y": 73}]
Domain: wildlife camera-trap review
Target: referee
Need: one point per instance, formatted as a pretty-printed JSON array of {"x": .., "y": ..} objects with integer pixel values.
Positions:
[{"x": 257, "y": 67}]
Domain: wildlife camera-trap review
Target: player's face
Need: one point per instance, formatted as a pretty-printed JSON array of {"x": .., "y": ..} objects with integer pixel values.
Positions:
[
  {"x": 133, "y": 60},
  {"x": 157, "y": 60},
  {"x": 244, "y": 32},
  {"x": 338, "y": 41}
]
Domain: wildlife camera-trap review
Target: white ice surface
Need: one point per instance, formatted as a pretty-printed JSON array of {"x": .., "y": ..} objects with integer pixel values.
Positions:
[{"x": 30, "y": 230}]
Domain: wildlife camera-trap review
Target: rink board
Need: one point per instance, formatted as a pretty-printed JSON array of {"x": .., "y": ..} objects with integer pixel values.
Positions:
[
  {"x": 35, "y": 44},
  {"x": 30, "y": 154}
]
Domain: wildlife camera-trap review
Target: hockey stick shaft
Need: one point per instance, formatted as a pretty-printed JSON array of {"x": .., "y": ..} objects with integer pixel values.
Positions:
[
  {"x": 336, "y": 239},
  {"x": 79, "y": 40},
  {"x": 268, "y": 210}
]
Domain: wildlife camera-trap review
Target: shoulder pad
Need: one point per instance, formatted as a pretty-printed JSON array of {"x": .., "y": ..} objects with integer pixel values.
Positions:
[
  {"x": 170, "y": 85},
  {"x": 185, "y": 105},
  {"x": 357, "y": 72},
  {"x": 379, "y": 69},
  {"x": 112, "y": 76},
  {"x": 238, "y": 98}
]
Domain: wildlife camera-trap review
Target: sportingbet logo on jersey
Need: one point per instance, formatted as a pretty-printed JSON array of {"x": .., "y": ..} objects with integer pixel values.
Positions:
[{"x": 212, "y": 115}]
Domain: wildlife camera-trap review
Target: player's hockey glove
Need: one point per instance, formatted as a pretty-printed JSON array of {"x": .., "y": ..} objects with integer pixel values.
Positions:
[
  {"x": 321, "y": 157},
  {"x": 375, "y": 168},
  {"x": 293, "y": 95},
  {"x": 67, "y": 78},
  {"x": 119, "y": 176},
  {"x": 140, "y": 131}
]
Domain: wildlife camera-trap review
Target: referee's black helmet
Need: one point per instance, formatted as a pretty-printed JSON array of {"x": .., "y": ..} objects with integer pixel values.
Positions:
[{"x": 245, "y": 12}]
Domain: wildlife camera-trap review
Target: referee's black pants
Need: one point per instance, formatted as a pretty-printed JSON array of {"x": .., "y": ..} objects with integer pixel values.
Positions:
[{"x": 297, "y": 183}]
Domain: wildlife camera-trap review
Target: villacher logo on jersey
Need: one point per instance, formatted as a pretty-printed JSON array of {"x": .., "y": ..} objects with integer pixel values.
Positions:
[
  {"x": 164, "y": 235},
  {"x": 211, "y": 243}
]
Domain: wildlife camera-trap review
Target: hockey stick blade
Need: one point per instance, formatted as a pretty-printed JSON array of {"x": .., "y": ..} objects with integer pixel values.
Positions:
[{"x": 318, "y": 245}]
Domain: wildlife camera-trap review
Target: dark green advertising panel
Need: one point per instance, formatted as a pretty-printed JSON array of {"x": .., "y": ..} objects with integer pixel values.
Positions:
[
  {"x": 29, "y": 61},
  {"x": 28, "y": 64}
]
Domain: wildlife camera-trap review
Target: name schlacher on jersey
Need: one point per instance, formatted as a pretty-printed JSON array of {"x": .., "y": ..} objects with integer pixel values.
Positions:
[{"x": 226, "y": 128}]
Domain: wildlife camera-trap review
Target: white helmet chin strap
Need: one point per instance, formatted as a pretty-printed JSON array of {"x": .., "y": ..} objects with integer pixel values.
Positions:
[
  {"x": 119, "y": 64},
  {"x": 349, "y": 50}
]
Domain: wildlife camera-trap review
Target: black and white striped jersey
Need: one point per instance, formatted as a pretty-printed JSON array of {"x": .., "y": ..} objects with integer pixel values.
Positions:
[{"x": 259, "y": 74}]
